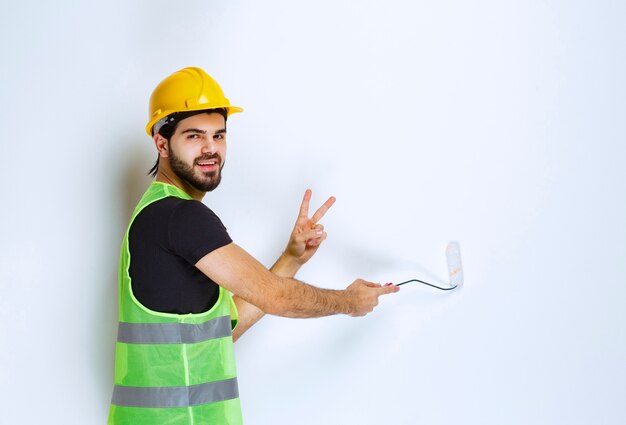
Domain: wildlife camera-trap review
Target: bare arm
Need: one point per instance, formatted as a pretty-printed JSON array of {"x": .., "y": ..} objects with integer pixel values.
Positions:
[
  {"x": 240, "y": 273},
  {"x": 258, "y": 290},
  {"x": 306, "y": 237},
  {"x": 249, "y": 314}
]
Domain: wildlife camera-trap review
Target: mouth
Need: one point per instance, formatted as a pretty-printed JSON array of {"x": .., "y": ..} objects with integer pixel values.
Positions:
[{"x": 208, "y": 164}]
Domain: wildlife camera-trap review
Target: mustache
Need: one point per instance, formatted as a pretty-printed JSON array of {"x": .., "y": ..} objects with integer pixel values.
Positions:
[{"x": 207, "y": 157}]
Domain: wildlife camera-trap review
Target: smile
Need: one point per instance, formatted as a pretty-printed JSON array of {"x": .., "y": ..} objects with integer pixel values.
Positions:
[{"x": 211, "y": 162}]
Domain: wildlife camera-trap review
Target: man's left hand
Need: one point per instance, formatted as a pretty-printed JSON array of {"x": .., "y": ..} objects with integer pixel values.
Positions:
[{"x": 307, "y": 234}]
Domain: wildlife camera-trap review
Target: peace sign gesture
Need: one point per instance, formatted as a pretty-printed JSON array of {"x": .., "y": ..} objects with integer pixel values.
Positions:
[{"x": 307, "y": 234}]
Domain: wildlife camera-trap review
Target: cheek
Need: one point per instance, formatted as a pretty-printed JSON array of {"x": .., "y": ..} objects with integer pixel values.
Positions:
[{"x": 188, "y": 153}]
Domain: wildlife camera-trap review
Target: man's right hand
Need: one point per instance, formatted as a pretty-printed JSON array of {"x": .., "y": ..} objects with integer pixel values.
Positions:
[{"x": 364, "y": 296}]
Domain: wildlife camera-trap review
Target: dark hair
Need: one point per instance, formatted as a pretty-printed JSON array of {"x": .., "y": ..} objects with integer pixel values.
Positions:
[{"x": 168, "y": 129}]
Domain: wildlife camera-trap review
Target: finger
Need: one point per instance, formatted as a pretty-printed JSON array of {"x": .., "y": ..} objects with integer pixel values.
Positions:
[
  {"x": 317, "y": 241},
  {"x": 322, "y": 210},
  {"x": 310, "y": 234},
  {"x": 372, "y": 284},
  {"x": 304, "y": 207},
  {"x": 384, "y": 290}
]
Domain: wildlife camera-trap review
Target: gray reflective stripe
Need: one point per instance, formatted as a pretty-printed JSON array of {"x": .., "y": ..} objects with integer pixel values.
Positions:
[
  {"x": 192, "y": 395},
  {"x": 173, "y": 333}
]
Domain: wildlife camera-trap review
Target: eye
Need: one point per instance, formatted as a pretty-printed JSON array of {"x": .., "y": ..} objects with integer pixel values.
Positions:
[
  {"x": 219, "y": 137},
  {"x": 193, "y": 136}
]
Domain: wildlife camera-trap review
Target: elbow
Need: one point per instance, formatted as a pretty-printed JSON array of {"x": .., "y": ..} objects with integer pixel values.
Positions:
[
  {"x": 275, "y": 307},
  {"x": 275, "y": 300}
]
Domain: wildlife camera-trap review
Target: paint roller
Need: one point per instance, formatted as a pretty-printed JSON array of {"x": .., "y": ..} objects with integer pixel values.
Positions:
[{"x": 455, "y": 269}]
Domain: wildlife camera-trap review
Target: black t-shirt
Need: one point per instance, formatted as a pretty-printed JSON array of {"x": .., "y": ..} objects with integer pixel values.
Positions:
[{"x": 166, "y": 240}]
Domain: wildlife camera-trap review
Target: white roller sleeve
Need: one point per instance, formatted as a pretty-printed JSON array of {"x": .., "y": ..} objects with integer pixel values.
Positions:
[{"x": 455, "y": 270}]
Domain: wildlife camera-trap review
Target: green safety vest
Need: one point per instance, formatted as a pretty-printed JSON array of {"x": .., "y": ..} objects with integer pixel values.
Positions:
[{"x": 172, "y": 369}]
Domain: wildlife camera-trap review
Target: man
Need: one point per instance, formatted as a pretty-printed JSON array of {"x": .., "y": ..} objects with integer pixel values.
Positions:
[{"x": 174, "y": 359}]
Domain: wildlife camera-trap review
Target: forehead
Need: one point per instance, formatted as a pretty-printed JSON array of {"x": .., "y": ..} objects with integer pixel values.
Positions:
[{"x": 210, "y": 122}]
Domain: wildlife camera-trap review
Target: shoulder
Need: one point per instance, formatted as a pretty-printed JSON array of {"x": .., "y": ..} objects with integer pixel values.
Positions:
[
  {"x": 177, "y": 214},
  {"x": 193, "y": 216},
  {"x": 185, "y": 209},
  {"x": 173, "y": 207},
  {"x": 194, "y": 230}
]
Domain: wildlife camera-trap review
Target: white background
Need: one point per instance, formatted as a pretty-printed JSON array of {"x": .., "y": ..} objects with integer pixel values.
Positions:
[{"x": 499, "y": 124}]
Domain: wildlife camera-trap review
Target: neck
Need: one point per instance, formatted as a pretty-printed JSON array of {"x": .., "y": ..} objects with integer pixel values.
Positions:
[{"x": 167, "y": 176}]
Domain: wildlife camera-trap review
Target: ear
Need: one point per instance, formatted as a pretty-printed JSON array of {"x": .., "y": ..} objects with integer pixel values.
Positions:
[{"x": 161, "y": 144}]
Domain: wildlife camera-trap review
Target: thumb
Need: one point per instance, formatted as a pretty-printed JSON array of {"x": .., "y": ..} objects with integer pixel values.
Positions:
[{"x": 384, "y": 290}]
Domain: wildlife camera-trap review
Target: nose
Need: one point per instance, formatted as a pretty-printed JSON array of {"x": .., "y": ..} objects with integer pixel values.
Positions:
[{"x": 209, "y": 146}]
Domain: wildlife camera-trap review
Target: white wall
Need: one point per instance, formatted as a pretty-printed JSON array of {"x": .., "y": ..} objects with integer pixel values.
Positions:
[{"x": 498, "y": 124}]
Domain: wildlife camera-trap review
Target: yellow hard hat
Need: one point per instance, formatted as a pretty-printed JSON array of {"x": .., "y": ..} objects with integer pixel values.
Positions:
[{"x": 190, "y": 89}]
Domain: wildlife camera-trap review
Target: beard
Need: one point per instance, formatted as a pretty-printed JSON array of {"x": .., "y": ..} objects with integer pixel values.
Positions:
[{"x": 199, "y": 180}]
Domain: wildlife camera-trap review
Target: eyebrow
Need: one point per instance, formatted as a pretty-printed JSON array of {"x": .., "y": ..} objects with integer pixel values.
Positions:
[{"x": 198, "y": 131}]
